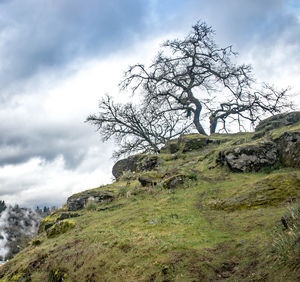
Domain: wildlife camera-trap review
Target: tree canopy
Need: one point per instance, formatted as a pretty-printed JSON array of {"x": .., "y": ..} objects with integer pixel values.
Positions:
[
  {"x": 137, "y": 128},
  {"x": 197, "y": 77},
  {"x": 192, "y": 84}
]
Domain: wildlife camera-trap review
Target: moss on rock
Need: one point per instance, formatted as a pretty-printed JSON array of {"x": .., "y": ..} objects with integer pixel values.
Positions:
[
  {"x": 60, "y": 228},
  {"x": 150, "y": 179},
  {"x": 173, "y": 181},
  {"x": 47, "y": 222},
  {"x": 269, "y": 191}
]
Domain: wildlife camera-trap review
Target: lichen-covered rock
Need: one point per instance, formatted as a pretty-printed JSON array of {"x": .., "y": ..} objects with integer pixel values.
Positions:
[
  {"x": 79, "y": 201},
  {"x": 249, "y": 158},
  {"x": 46, "y": 223},
  {"x": 269, "y": 191},
  {"x": 278, "y": 121},
  {"x": 134, "y": 163},
  {"x": 128, "y": 164},
  {"x": 186, "y": 143},
  {"x": 171, "y": 147},
  {"x": 59, "y": 228},
  {"x": 174, "y": 181},
  {"x": 147, "y": 163},
  {"x": 150, "y": 179},
  {"x": 289, "y": 149}
]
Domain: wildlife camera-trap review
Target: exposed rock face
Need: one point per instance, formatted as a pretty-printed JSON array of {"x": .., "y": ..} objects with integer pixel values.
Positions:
[
  {"x": 289, "y": 149},
  {"x": 60, "y": 228},
  {"x": 278, "y": 121},
  {"x": 78, "y": 202},
  {"x": 250, "y": 157},
  {"x": 269, "y": 191},
  {"x": 186, "y": 143},
  {"x": 173, "y": 181},
  {"x": 134, "y": 163},
  {"x": 128, "y": 164}
]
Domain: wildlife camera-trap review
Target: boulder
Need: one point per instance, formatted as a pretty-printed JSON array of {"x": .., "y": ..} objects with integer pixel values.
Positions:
[
  {"x": 134, "y": 163},
  {"x": 59, "y": 228},
  {"x": 288, "y": 145},
  {"x": 249, "y": 158},
  {"x": 79, "y": 201},
  {"x": 186, "y": 143},
  {"x": 173, "y": 181},
  {"x": 150, "y": 179},
  {"x": 279, "y": 120},
  {"x": 128, "y": 164}
]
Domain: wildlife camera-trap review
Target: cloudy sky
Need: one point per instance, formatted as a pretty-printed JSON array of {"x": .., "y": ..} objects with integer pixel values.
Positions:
[{"x": 58, "y": 57}]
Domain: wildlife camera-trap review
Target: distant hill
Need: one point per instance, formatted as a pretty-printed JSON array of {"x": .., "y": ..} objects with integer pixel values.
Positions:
[{"x": 207, "y": 208}]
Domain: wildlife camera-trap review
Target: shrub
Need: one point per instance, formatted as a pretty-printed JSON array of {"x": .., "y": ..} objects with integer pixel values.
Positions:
[{"x": 286, "y": 240}]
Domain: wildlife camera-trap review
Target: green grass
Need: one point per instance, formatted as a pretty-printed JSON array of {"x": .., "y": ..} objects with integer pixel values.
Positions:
[{"x": 157, "y": 234}]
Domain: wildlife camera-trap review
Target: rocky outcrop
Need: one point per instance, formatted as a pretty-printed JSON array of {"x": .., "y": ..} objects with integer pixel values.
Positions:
[
  {"x": 167, "y": 181},
  {"x": 128, "y": 164},
  {"x": 269, "y": 191},
  {"x": 278, "y": 121},
  {"x": 288, "y": 146},
  {"x": 186, "y": 143},
  {"x": 249, "y": 158},
  {"x": 59, "y": 228},
  {"x": 79, "y": 201},
  {"x": 136, "y": 163},
  {"x": 173, "y": 181}
]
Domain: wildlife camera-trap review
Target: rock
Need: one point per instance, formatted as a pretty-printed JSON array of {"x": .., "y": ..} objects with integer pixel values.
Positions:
[
  {"x": 149, "y": 179},
  {"x": 128, "y": 164},
  {"x": 79, "y": 201},
  {"x": 193, "y": 142},
  {"x": 269, "y": 191},
  {"x": 249, "y": 158},
  {"x": 186, "y": 143},
  {"x": 171, "y": 147},
  {"x": 289, "y": 149},
  {"x": 59, "y": 228},
  {"x": 278, "y": 121},
  {"x": 173, "y": 181},
  {"x": 67, "y": 215},
  {"x": 134, "y": 163},
  {"x": 147, "y": 163}
]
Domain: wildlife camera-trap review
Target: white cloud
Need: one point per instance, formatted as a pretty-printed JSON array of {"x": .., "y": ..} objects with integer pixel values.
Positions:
[
  {"x": 47, "y": 152},
  {"x": 50, "y": 183}
]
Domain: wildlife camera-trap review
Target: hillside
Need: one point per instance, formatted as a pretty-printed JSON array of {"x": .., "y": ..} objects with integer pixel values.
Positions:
[{"x": 223, "y": 207}]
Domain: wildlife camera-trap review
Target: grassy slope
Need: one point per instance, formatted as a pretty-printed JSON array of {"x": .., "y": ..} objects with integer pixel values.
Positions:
[{"x": 155, "y": 234}]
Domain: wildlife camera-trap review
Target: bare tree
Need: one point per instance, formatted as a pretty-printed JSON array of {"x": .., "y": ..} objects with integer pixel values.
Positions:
[
  {"x": 137, "y": 128},
  {"x": 197, "y": 78}
]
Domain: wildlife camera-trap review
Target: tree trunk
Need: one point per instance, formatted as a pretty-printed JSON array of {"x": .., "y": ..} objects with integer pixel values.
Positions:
[
  {"x": 213, "y": 120},
  {"x": 197, "y": 112},
  {"x": 197, "y": 119}
]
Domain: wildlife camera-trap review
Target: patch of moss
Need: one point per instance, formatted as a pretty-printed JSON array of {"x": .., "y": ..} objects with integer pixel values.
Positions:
[
  {"x": 59, "y": 228},
  {"x": 269, "y": 191},
  {"x": 57, "y": 275},
  {"x": 173, "y": 181},
  {"x": 47, "y": 222}
]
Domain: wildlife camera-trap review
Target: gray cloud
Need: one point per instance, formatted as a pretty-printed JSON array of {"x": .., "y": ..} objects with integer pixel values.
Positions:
[
  {"x": 41, "y": 39},
  {"x": 41, "y": 35}
]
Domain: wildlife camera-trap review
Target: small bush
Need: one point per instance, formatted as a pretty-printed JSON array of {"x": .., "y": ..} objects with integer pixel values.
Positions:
[{"x": 123, "y": 191}]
